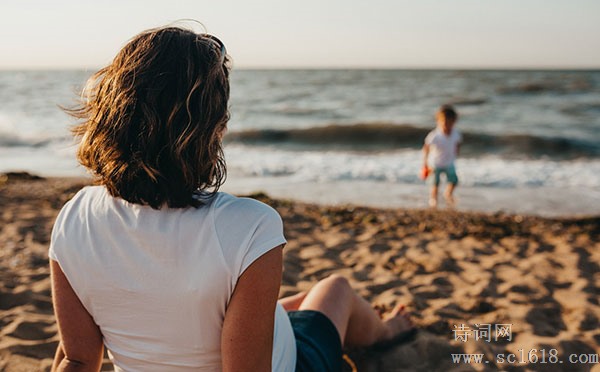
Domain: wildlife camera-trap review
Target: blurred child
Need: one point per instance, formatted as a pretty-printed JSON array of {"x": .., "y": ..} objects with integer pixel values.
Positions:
[{"x": 443, "y": 143}]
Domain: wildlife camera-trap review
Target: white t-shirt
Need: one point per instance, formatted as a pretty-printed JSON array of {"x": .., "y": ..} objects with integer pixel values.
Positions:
[
  {"x": 158, "y": 282},
  {"x": 443, "y": 147}
]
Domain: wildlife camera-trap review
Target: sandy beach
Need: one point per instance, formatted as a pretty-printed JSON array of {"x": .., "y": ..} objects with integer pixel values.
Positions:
[{"x": 522, "y": 291}]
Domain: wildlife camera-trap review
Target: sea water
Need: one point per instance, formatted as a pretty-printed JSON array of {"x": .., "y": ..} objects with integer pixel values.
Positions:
[{"x": 531, "y": 138}]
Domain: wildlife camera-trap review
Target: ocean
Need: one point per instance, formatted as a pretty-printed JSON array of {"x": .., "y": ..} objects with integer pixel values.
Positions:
[{"x": 531, "y": 138}]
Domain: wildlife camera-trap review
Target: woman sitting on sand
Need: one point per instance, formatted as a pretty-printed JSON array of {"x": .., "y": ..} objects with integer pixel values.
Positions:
[{"x": 154, "y": 263}]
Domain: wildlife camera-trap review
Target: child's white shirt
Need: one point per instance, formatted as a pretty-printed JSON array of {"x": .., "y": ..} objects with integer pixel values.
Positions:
[{"x": 443, "y": 147}]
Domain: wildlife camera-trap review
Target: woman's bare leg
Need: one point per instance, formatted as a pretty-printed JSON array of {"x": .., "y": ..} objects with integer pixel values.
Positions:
[
  {"x": 293, "y": 302},
  {"x": 355, "y": 319}
]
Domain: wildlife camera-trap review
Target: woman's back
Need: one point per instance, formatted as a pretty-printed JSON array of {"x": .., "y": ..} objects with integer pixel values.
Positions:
[{"x": 157, "y": 282}]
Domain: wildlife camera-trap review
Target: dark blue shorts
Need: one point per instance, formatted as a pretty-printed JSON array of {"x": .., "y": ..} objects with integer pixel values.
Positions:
[{"x": 318, "y": 344}]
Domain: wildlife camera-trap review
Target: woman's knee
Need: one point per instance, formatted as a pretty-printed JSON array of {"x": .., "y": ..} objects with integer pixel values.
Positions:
[
  {"x": 333, "y": 297},
  {"x": 337, "y": 284},
  {"x": 328, "y": 294},
  {"x": 336, "y": 279}
]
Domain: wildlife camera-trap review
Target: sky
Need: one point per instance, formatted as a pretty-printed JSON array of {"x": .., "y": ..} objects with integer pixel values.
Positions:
[{"x": 315, "y": 33}]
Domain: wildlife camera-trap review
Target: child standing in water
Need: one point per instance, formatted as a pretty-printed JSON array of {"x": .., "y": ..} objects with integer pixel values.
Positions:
[{"x": 443, "y": 143}]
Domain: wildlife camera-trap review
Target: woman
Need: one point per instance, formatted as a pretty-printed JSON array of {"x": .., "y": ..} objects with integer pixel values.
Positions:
[{"x": 156, "y": 264}]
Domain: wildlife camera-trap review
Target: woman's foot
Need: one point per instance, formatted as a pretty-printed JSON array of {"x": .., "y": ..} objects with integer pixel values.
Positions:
[
  {"x": 398, "y": 323},
  {"x": 399, "y": 328}
]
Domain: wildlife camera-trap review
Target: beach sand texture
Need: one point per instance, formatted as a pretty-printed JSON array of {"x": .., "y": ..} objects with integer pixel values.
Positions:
[{"x": 542, "y": 276}]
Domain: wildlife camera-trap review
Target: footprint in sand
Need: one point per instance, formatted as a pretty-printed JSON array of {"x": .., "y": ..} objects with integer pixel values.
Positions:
[
  {"x": 546, "y": 320},
  {"x": 33, "y": 330},
  {"x": 8, "y": 300},
  {"x": 38, "y": 351},
  {"x": 42, "y": 302}
]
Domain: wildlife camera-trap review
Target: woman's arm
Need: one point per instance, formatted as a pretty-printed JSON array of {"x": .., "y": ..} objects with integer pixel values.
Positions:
[
  {"x": 247, "y": 338},
  {"x": 80, "y": 347}
]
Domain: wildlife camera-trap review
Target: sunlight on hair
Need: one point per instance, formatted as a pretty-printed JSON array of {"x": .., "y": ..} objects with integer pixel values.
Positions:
[{"x": 189, "y": 24}]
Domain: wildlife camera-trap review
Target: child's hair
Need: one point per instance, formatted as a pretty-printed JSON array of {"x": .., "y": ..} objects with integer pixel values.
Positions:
[
  {"x": 448, "y": 112},
  {"x": 153, "y": 119}
]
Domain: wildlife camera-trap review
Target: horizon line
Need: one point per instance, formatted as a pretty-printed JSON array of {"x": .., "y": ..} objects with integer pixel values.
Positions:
[{"x": 391, "y": 68}]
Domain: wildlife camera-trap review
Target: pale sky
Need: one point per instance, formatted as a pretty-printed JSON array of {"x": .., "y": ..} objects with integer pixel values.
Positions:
[{"x": 315, "y": 33}]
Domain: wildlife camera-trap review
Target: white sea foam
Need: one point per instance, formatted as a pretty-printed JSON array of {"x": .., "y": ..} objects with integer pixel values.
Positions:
[{"x": 403, "y": 167}]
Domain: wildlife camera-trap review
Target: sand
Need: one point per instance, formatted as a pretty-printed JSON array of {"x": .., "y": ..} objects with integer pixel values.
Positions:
[{"x": 458, "y": 272}]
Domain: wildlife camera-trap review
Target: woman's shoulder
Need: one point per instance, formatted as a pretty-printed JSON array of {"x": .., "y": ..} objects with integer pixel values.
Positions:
[
  {"x": 241, "y": 213},
  {"x": 236, "y": 204},
  {"x": 72, "y": 213},
  {"x": 85, "y": 194}
]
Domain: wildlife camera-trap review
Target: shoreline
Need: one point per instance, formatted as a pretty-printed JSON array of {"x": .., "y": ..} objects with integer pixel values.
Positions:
[
  {"x": 541, "y": 202},
  {"x": 450, "y": 268}
]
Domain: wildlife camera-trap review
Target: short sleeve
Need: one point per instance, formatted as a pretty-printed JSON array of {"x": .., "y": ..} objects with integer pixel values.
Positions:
[
  {"x": 57, "y": 237},
  {"x": 430, "y": 137},
  {"x": 459, "y": 137},
  {"x": 52, "y": 250},
  {"x": 54, "y": 236},
  {"x": 246, "y": 229}
]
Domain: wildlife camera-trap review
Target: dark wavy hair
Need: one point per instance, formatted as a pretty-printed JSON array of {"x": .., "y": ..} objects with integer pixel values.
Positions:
[{"x": 153, "y": 119}]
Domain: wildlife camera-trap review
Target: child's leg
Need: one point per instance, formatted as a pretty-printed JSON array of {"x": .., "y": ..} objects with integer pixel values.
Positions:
[
  {"x": 448, "y": 194},
  {"x": 358, "y": 324},
  {"x": 433, "y": 198},
  {"x": 452, "y": 182}
]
